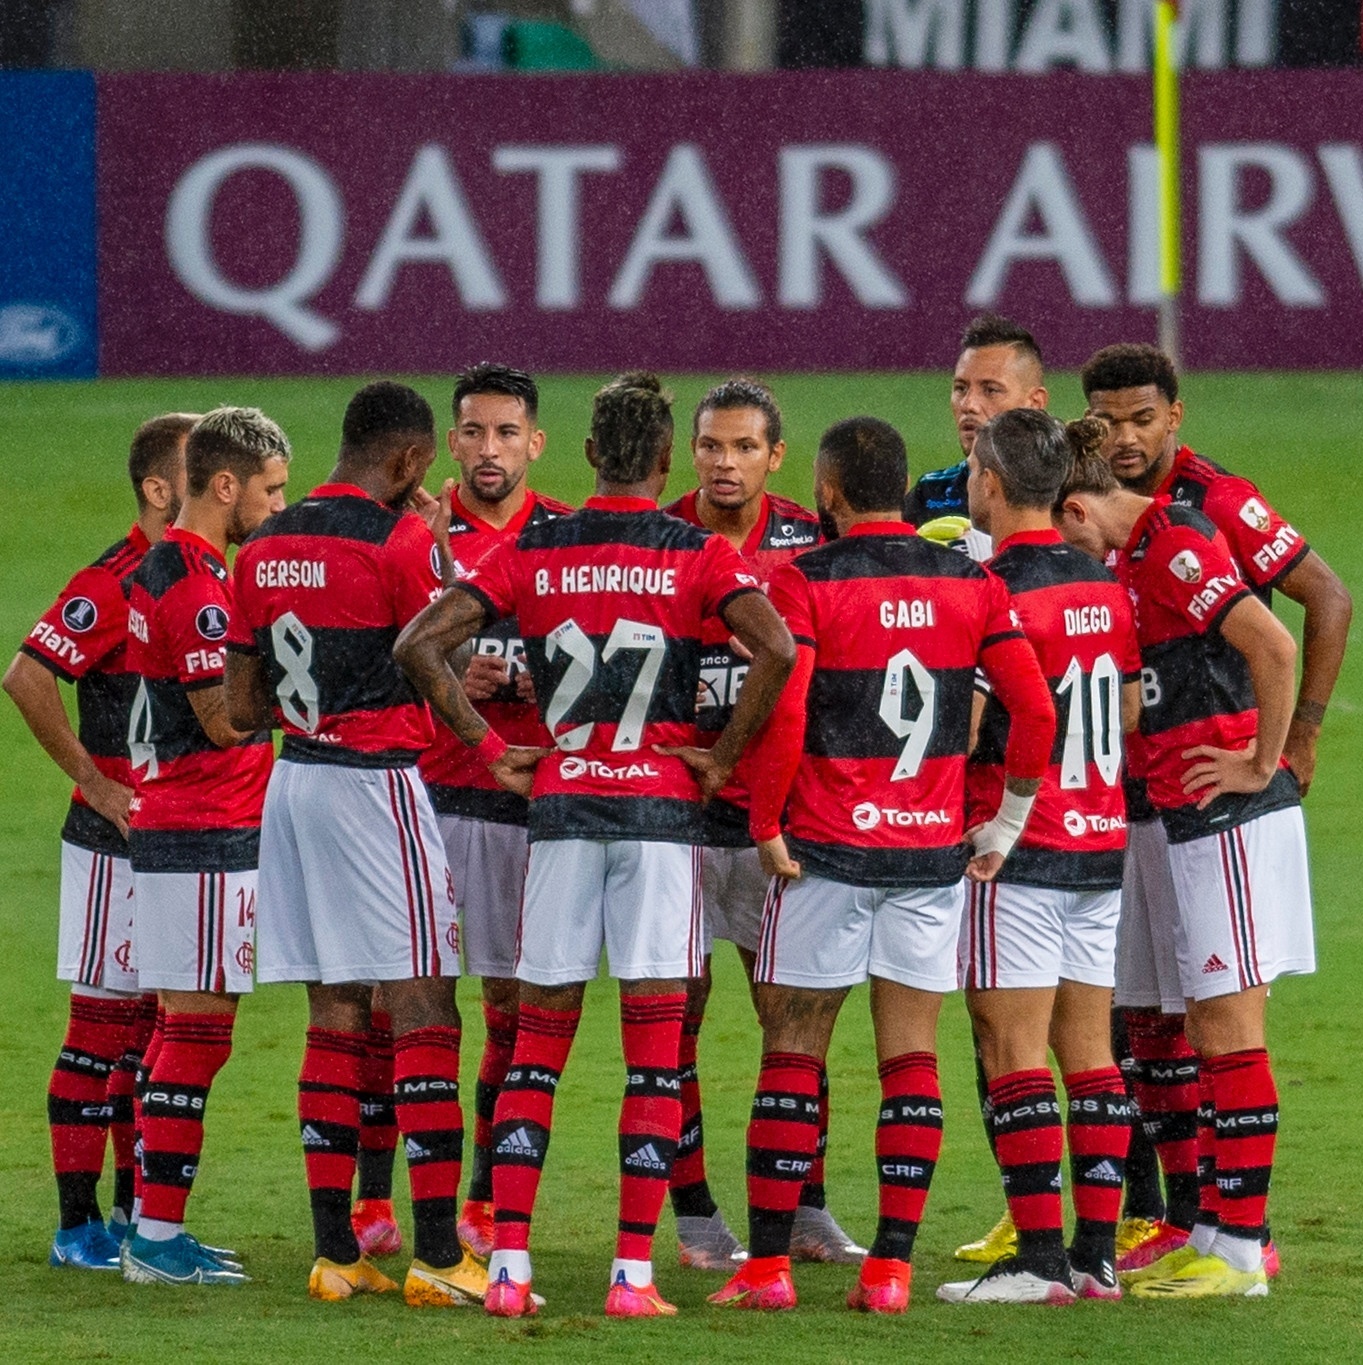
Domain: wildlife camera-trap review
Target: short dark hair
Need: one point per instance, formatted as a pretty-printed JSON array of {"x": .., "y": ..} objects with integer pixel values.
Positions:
[
  {"x": 989, "y": 329},
  {"x": 155, "y": 450},
  {"x": 1129, "y": 365},
  {"x": 1029, "y": 451},
  {"x": 239, "y": 440},
  {"x": 379, "y": 415},
  {"x": 741, "y": 392},
  {"x": 1090, "y": 471},
  {"x": 867, "y": 458},
  {"x": 488, "y": 377},
  {"x": 631, "y": 425}
]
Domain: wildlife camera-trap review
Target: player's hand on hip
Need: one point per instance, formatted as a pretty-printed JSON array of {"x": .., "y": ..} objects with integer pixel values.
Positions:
[
  {"x": 1219, "y": 771},
  {"x": 515, "y": 769},
  {"x": 710, "y": 777},
  {"x": 1300, "y": 753},
  {"x": 776, "y": 860},
  {"x": 983, "y": 867},
  {"x": 110, "y": 799},
  {"x": 485, "y": 676}
]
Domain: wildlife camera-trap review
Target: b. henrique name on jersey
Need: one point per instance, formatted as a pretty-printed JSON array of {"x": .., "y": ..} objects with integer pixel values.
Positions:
[
  {"x": 784, "y": 529},
  {"x": 198, "y": 806},
  {"x": 1078, "y": 619},
  {"x": 459, "y": 783},
  {"x": 1195, "y": 686},
  {"x": 615, "y": 669},
  {"x": 82, "y": 639},
  {"x": 323, "y": 589}
]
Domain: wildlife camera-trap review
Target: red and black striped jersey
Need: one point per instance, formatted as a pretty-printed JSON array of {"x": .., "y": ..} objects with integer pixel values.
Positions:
[
  {"x": 784, "y": 529},
  {"x": 178, "y": 615},
  {"x": 1195, "y": 685},
  {"x": 83, "y": 639},
  {"x": 460, "y": 783},
  {"x": 1078, "y": 619},
  {"x": 323, "y": 590},
  {"x": 1264, "y": 546},
  {"x": 611, "y": 602},
  {"x": 890, "y": 629}
]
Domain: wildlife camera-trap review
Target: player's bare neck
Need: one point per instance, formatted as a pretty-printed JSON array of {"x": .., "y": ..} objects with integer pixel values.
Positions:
[
  {"x": 206, "y": 520},
  {"x": 645, "y": 488},
  {"x": 846, "y": 520},
  {"x": 735, "y": 524},
  {"x": 496, "y": 514},
  {"x": 152, "y": 523},
  {"x": 1005, "y": 521},
  {"x": 1124, "y": 509}
]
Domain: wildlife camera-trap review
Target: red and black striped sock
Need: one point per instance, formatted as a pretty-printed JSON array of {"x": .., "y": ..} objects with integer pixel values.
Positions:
[
  {"x": 783, "y": 1137},
  {"x": 78, "y": 1111},
  {"x": 1166, "y": 1087},
  {"x": 1144, "y": 1195},
  {"x": 426, "y": 1093},
  {"x": 1099, "y": 1132},
  {"x": 691, "y": 1197},
  {"x": 525, "y": 1115},
  {"x": 194, "y": 1048},
  {"x": 378, "y": 1120},
  {"x": 650, "y": 1116},
  {"x": 1029, "y": 1143},
  {"x": 1208, "y": 1216},
  {"x": 498, "y": 1049},
  {"x": 1246, "y": 1100},
  {"x": 908, "y": 1144},
  {"x": 813, "y": 1195},
  {"x": 329, "y": 1124},
  {"x": 149, "y": 1055},
  {"x": 141, "y": 1015}
]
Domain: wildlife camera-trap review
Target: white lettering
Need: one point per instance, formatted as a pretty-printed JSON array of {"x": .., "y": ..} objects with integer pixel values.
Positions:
[
  {"x": 321, "y": 231},
  {"x": 1043, "y": 189},
  {"x": 901, "y": 32},
  {"x": 686, "y": 190},
  {"x": 291, "y": 573},
  {"x": 59, "y": 644},
  {"x": 1063, "y": 32},
  {"x": 205, "y": 661},
  {"x": 631, "y": 578},
  {"x": 432, "y": 193},
  {"x": 901, "y": 614},
  {"x": 1226, "y": 227},
  {"x": 1142, "y": 219},
  {"x": 808, "y": 232},
  {"x": 1343, "y": 165},
  {"x": 1087, "y": 620}
]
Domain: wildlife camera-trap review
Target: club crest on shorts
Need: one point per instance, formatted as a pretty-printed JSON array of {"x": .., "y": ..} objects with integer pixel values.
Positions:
[
  {"x": 1187, "y": 566},
  {"x": 79, "y": 615},
  {"x": 1255, "y": 514},
  {"x": 211, "y": 622}
]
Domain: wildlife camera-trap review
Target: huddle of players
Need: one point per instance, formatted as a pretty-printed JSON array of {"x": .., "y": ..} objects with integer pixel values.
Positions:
[{"x": 565, "y": 663}]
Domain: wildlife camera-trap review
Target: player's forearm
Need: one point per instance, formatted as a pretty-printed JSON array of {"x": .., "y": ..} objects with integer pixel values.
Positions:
[
  {"x": 1325, "y": 635},
  {"x": 426, "y": 650},
  {"x": 210, "y": 709},
  {"x": 35, "y": 692},
  {"x": 1270, "y": 671},
  {"x": 767, "y": 675},
  {"x": 775, "y": 755},
  {"x": 1018, "y": 682},
  {"x": 248, "y": 702}
]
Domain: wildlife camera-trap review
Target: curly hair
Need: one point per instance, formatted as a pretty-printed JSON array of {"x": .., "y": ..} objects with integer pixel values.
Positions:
[{"x": 631, "y": 426}]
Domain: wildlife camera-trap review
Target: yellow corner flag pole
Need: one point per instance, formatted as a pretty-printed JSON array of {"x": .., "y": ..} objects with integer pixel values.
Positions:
[{"x": 1167, "y": 146}]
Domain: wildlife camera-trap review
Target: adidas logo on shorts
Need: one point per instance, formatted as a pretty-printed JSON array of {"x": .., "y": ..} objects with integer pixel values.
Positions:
[
  {"x": 414, "y": 1151},
  {"x": 312, "y": 1138},
  {"x": 517, "y": 1144},
  {"x": 1213, "y": 964},
  {"x": 646, "y": 1158}
]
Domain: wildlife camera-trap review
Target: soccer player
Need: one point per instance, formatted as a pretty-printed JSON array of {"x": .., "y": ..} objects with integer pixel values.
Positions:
[
  {"x": 611, "y": 603},
  {"x": 195, "y": 821},
  {"x": 1134, "y": 389},
  {"x": 736, "y": 446},
  {"x": 1217, "y": 689},
  {"x": 890, "y": 628},
  {"x": 82, "y": 639},
  {"x": 354, "y": 884},
  {"x": 494, "y": 441},
  {"x": 1041, "y": 940}
]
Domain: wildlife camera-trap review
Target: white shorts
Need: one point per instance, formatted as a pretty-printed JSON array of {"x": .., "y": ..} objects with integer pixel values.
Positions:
[
  {"x": 734, "y": 890},
  {"x": 1244, "y": 899},
  {"x": 1150, "y": 934},
  {"x": 639, "y": 898},
  {"x": 824, "y": 935},
  {"x": 489, "y": 859},
  {"x": 95, "y": 925},
  {"x": 354, "y": 885},
  {"x": 1026, "y": 936},
  {"x": 196, "y": 931}
]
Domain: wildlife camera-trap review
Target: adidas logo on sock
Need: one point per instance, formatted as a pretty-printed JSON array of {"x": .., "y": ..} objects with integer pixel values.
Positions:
[
  {"x": 646, "y": 1158},
  {"x": 1213, "y": 964},
  {"x": 1104, "y": 1171},
  {"x": 414, "y": 1151},
  {"x": 312, "y": 1138},
  {"x": 518, "y": 1143}
]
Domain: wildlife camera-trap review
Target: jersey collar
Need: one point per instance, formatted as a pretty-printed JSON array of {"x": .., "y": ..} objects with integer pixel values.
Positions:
[
  {"x": 137, "y": 538},
  {"x": 688, "y": 509},
  {"x": 178, "y": 533},
  {"x": 598, "y": 503},
  {"x": 882, "y": 528},
  {"x": 1048, "y": 536},
  {"x": 341, "y": 490},
  {"x": 512, "y": 528},
  {"x": 1181, "y": 457},
  {"x": 1158, "y": 504}
]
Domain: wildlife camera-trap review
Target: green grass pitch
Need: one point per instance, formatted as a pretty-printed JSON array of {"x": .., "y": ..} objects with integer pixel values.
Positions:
[{"x": 64, "y": 497}]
